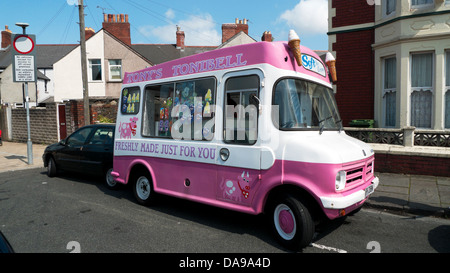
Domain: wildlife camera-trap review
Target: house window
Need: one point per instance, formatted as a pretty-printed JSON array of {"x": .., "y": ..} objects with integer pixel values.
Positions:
[
  {"x": 447, "y": 90},
  {"x": 421, "y": 89},
  {"x": 95, "y": 69},
  {"x": 389, "y": 7},
  {"x": 115, "y": 70},
  {"x": 418, "y": 4},
  {"x": 390, "y": 91}
]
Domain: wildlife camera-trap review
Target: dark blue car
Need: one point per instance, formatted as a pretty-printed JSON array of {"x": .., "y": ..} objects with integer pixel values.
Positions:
[{"x": 88, "y": 150}]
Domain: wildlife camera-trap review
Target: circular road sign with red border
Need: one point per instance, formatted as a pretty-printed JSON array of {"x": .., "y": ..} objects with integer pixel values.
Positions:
[{"x": 23, "y": 44}]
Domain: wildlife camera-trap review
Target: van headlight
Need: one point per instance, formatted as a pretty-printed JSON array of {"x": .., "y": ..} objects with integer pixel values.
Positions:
[{"x": 341, "y": 179}]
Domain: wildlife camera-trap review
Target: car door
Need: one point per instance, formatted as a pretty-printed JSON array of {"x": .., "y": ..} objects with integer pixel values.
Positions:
[
  {"x": 239, "y": 153},
  {"x": 97, "y": 153},
  {"x": 68, "y": 158}
]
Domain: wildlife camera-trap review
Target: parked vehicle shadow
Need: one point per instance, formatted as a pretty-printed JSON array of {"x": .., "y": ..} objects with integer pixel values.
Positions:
[
  {"x": 439, "y": 238},
  {"x": 217, "y": 218}
]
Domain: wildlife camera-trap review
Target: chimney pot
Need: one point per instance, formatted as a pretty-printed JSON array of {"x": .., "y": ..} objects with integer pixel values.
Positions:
[
  {"x": 6, "y": 37},
  {"x": 267, "y": 36},
  {"x": 180, "y": 38},
  {"x": 115, "y": 25}
]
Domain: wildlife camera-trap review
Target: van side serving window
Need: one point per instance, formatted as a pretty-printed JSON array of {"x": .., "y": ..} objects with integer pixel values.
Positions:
[
  {"x": 130, "y": 101},
  {"x": 179, "y": 110},
  {"x": 241, "y": 119}
]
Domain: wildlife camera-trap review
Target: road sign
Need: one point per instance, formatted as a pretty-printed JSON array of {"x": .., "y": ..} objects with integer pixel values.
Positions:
[{"x": 24, "y": 58}]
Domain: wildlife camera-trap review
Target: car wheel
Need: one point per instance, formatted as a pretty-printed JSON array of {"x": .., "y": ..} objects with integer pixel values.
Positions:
[
  {"x": 143, "y": 189},
  {"x": 109, "y": 179},
  {"x": 51, "y": 167},
  {"x": 292, "y": 223}
]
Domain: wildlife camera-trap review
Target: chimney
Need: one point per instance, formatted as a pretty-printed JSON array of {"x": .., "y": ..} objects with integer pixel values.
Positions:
[
  {"x": 267, "y": 37},
  {"x": 89, "y": 32},
  {"x": 6, "y": 37},
  {"x": 229, "y": 30},
  {"x": 118, "y": 26},
  {"x": 180, "y": 39}
]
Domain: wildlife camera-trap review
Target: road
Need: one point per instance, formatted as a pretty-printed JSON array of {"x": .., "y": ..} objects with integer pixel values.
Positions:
[{"x": 73, "y": 213}]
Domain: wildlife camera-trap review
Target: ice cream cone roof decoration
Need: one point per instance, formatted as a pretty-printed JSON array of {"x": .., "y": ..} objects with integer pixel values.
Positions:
[
  {"x": 329, "y": 57},
  {"x": 294, "y": 44},
  {"x": 331, "y": 63}
]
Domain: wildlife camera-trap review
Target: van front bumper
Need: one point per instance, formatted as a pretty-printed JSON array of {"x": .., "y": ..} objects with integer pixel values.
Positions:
[{"x": 342, "y": 202}]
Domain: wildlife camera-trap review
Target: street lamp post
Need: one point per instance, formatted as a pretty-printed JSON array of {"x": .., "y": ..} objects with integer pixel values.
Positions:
[{"x": 29, "y": 143}]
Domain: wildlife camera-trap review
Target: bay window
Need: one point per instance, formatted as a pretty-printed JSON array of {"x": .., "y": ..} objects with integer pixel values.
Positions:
[
  {"x": 390, "y": 91},
  {"x": 421, "y": 89}
]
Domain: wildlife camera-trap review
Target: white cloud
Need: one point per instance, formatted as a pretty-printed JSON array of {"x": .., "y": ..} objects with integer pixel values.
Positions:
[
  {"x": 170, "y": 14},
  {"x": 198, "y": 29},
  {"x": 72, "y": 2},
  {"x": 308, "y": 17}
]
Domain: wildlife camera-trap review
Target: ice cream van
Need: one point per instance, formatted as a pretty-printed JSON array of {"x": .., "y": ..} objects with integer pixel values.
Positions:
[{"x": 252, "y": 128}]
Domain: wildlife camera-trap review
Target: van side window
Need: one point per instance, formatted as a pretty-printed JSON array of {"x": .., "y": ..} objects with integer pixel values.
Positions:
[
  {"x": 180, "y": 110},
  {"x": 157, "y": 106},
  {"x": 241, "y": 119},
  {"x": 130, "y": 101}
]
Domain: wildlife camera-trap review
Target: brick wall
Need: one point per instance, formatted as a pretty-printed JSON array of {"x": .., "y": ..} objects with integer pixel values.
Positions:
[
  {"x": 355, "y": 66},
  {"x": 354, "y": 59},
  {"x": 352, "y": 12},
  {"x": 43, "y": 125},
  {"x": 98, "y": 108},
  {"x": 416, "y": 165},
  {"x": 44, "y": 120}
]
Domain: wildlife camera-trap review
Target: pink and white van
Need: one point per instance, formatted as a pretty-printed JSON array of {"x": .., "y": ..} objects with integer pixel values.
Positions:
[{"x": 243, "y": 128}]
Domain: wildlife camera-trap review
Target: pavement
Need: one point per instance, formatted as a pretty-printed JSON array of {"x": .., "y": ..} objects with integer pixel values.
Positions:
[{"x": 397, "y": 193}]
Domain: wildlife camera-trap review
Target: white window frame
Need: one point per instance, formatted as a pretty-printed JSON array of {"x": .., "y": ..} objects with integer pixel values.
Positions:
[
  {"x": 447, "y": 85},
  {"x": 388, "y": 90},
  {"x": 110, "y": 66},
  {"x": 90, "y": 69},
  {"x": 423, "y": 88},
  {"x": 422, "y": 6}
]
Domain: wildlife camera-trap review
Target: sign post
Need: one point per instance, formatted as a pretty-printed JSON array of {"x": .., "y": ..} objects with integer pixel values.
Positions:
[{"x": 24, "y": 70}]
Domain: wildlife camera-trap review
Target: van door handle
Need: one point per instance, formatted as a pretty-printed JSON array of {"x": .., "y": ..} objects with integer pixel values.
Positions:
[{"x": 224, "y": 154}]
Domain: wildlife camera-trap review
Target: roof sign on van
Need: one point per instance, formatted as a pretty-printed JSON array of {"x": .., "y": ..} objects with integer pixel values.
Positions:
[{"x": 313, "y": 64}]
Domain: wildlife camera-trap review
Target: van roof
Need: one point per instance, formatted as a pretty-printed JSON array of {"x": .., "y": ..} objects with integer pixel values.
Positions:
[{"x": 277, "y": 54}]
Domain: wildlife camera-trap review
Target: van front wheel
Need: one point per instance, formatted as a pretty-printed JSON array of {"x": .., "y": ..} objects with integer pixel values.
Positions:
[
  {"x": 291, "y": 222},
  {"x": 143, "y": 189}
]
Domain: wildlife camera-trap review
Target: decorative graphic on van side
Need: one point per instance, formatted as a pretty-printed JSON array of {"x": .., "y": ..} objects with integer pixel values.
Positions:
[
  {"x": 126, "y": 129},
  {"x": 235, "y": 189}
]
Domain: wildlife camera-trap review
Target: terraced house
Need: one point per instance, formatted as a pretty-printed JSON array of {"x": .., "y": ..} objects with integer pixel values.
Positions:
[{"x": 393, "y": 60}]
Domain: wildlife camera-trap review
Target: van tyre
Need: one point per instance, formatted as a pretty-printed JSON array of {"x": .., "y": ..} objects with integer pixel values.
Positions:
[
  {"x": 143, "y": 189},
  {"x": 292, "y": 223}
]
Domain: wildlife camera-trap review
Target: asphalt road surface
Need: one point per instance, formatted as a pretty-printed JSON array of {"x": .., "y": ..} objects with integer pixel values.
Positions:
[{"x": 75, "y": 213}]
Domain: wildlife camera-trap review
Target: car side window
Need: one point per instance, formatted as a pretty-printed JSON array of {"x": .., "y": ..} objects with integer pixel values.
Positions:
[
  {"x": 102, "y": 136},
  {"x": 79, "y": 137}
]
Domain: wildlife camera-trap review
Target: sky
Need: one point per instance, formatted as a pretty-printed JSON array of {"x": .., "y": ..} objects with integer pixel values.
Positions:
[{"x": 155, "y": 21}]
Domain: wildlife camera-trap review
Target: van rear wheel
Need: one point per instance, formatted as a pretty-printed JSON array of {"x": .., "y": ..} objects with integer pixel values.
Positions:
[
  {"x": 292, "y": 223},
  {"x": 143, "y": 189}
]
